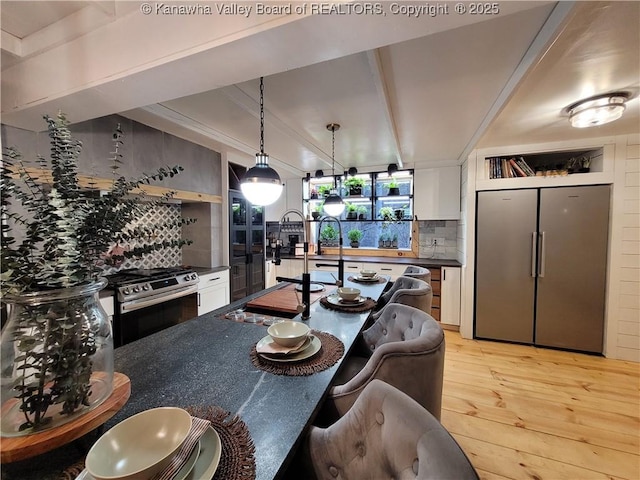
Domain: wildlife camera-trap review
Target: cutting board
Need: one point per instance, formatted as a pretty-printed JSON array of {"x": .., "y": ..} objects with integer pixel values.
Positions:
[{"x": 284, "y": 299}]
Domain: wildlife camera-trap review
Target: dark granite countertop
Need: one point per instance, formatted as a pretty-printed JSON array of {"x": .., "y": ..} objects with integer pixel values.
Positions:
[{"x": 205, "y": 361}]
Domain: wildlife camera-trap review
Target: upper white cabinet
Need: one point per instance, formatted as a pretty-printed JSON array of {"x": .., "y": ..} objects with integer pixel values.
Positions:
[{"x": 436, "y": 193}]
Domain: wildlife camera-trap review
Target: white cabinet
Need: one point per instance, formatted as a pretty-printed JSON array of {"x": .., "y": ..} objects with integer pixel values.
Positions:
[
  {"x": 394, "y": 270},
  {"x": 437, "y": 193},
  {"x": 450, "y": 296},
  {"x": 108, "y": 305},
  {"x": 269, "y": 274},
  {"x": 213, "y": 291}
]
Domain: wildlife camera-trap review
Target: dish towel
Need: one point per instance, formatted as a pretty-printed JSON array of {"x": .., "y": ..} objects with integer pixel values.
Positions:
[{"x": 198, "y": 427}]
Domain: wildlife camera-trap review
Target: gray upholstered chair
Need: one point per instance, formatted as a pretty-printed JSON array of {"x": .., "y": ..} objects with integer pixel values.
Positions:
[
  {"x": 405, "y": 348},
  {"x": 408, "y": 291},
  {"x": 386, "y": 434},
  {"x": 415, "y": 271}
]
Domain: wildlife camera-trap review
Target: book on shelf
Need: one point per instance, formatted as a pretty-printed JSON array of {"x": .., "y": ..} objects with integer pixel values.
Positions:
[{"x": 503, "y": 167}]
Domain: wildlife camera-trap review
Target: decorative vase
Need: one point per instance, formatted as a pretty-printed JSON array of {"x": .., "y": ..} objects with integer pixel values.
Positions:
[{"x": 57, "y": 358}]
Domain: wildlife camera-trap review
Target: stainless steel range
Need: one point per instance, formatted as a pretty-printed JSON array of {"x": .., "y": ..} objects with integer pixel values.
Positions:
[{"x": 150, "y": 300}]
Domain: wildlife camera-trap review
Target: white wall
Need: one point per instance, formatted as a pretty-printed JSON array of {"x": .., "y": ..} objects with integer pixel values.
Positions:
[{"x": 623, "y": 299}]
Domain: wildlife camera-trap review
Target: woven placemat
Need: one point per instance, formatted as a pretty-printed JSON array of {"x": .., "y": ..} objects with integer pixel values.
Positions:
[
  {"x": 355, "y": 279},
  {"x": 237, "y": 460},
  {"x": 331, "y": 351},
  {"x": 368, "y": 304}
]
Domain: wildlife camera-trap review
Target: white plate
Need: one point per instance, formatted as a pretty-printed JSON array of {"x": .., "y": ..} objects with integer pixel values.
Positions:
[
  {"x": 310, "y": 351},
  {"x": 209, "y": 458},
  {"x": 182, "y": 474},
  {"x": 266, "y": 340},
  {"x": 314, "y": 287},
  {"x": 360, "y": 278},
  {"x": 336, "y": 300}
]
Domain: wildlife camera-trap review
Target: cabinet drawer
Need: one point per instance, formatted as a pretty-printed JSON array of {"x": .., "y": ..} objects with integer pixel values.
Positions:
[
  {"x": 435, "y": 273},
  {"x": 435, "y": 313},
  {"x": 393, "y": 270},
  {"x": 435, "y": 302},
  {"x": 213, "y": 279},
  {"x": 435, "y": 286}
]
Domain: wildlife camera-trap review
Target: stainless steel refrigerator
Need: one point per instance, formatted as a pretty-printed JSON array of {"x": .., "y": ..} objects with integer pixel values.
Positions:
[{"x": 541, "y": 259}]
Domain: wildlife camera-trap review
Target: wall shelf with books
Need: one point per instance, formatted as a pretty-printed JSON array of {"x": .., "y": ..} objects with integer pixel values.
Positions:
[{"x": 526, "y": 169}]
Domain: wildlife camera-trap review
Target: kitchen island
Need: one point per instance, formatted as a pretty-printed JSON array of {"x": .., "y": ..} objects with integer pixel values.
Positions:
[{"x": 205, "y": 362}]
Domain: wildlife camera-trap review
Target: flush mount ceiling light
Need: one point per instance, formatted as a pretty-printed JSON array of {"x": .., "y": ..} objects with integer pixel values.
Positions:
[
  {"x": 333, "y": 204},
  {"x": 261, "y": 184},
  {"x": 597, "y": 110}
]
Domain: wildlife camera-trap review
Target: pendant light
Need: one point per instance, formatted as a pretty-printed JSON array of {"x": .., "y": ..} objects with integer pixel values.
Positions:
[
  {"x": 333, "y": 204},
  {"x": 261, "y": 184}
]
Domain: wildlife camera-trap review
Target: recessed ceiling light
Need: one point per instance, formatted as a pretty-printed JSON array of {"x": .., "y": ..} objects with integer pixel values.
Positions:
[{"x": 597, "y": 110}]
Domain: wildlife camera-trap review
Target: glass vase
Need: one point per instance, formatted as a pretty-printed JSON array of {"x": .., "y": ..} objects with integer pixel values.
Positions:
[{"x": 57, "y": 358}]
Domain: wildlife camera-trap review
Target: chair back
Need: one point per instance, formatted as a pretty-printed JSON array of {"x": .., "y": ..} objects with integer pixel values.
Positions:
[
  {"x": 407, "y": 351},
  {"x": 386, "y": 434},
  {"x": 407, "y": 291},
  {"x": 420, "y": 273}
]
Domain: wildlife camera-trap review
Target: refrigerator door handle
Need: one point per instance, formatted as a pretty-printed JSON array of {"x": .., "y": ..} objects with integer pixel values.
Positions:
[
  {"x": 542, "y": 255},
  {"x": 533, "y": 253}
]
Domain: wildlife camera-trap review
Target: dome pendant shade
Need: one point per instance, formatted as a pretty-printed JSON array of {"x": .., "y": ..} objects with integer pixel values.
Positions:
[
  {"x": 261, "y": 185},
  {"x": 333, "y": 204}
]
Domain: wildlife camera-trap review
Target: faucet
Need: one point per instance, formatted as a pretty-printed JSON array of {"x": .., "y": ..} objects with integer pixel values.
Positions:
[
  {"x": 305, "y": 307},
  {"x": 340, "y": 264}
]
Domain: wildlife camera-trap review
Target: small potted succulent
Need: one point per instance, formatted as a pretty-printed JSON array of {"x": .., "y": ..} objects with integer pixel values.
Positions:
[
  {"x": 394, "y": 188},
  {"x": 354, "y": 235},
  {"x": 354, "y": 185},
  {"x": 362, "y": 212},
  {"x": 352, "y": 211}
]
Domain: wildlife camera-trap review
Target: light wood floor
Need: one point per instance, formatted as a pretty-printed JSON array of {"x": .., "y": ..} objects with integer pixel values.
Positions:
[{"x": 529, "y": 413}]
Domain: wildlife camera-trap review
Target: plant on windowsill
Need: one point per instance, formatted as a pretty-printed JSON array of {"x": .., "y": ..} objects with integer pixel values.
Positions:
[
  {"x": 317, "y": 211},
  {"x": 354, "y": 235},
  {"x": 394, "y": 188},
  {"x": 329, "y": 235},
  {"x": 354, "y": 185},
  {"x": 57, "y": 346},
  {"x": 387, "y": 214},
  {"x": 362, "y": 212},
  {"x": 352, "y": 211}
]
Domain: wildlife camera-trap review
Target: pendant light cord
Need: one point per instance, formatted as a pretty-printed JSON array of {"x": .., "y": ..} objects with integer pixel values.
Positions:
[
  {"x": 261, "y": 115},
  {"x": 333, "y": 157}
]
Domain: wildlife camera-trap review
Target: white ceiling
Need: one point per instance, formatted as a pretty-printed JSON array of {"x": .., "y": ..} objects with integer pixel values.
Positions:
[{"x": 419, "y": 92}]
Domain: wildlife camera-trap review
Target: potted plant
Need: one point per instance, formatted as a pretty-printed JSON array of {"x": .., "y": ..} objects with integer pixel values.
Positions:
[
  {"x": 394, "y": 241},
  {"x": 362, "y": 212},
  {"x": 317, "y": 211},
  {"x": 329, "y": 235},
  {"x": 324, "y": 190},
  {"x": 352, "y": 211},
  {"x": 394, "y": 189},
  {"x": 354, "y": 235},
  {"x": 354, "y": 185},
  {"x": 57, "y": 346},
  {"x": 386, "y": 214},
  {"x": 313, "y": 194}
]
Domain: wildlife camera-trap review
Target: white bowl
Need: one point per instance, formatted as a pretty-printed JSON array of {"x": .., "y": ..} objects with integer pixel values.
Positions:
[
  {"x": 346, "y": 293},
  {"x": 288, "y": 333},
  {"x": 139, "y": 446},
  {"x": 368, "y": 273}
]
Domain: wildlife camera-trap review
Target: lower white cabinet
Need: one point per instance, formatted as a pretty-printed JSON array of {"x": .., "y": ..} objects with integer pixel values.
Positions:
[
  {"x": 108, "y": 304},
  {"x": 270, "y": 274},
  {"x": 213, "y": 291},
  {"x": 450, "y": 296},
  {"x": 394, "y": 270}
]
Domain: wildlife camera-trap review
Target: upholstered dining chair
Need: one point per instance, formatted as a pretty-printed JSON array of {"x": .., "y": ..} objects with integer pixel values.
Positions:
[
  {"x": 385, "y": 434},
  {"x": 414, "y": 271},
  {"x": 405, "y": 348},
  {"x": 408, "y": 291}
]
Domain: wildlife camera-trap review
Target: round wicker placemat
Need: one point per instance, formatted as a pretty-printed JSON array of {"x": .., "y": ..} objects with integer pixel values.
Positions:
[
  {"x": 237, "y": 460},
  {"x": 368, "y": 304},
  {"x": 330, "y": 352}
]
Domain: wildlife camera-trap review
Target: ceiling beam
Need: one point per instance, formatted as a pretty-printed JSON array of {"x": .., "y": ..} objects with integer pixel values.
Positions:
[
  {"x": 375, "y": 64},
  {"x": 251, "y": 105},
  {"x": 538, "y": 48}
]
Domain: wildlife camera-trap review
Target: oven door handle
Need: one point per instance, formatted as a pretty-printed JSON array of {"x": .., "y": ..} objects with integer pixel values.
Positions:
[{"x": 163, "y": 297}]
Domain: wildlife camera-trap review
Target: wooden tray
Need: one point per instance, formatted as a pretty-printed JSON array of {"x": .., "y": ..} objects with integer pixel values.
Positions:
[
  {"x": 284, "y": 299},
  {"x": 13, "y": 449}
]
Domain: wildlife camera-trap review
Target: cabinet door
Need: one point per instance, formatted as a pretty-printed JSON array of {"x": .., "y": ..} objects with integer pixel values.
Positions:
[
  {"x": 450, "y": 296},
  {"x": 269, "y": 274},
  {"x": 437, "y": 193},
  {"x": 212, "y": 298}
]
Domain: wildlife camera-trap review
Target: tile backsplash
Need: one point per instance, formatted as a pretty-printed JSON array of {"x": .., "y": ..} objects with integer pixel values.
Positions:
[
  {"x": 167, "y": 257},
  {"x": 438, "y": 239}
]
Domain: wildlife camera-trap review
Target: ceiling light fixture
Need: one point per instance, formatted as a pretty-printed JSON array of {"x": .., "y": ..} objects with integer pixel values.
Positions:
[
  {"x": 333, "y": 204},
  {"x": 597, "y": 110},
  {"x": 261, "y": 184}
]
